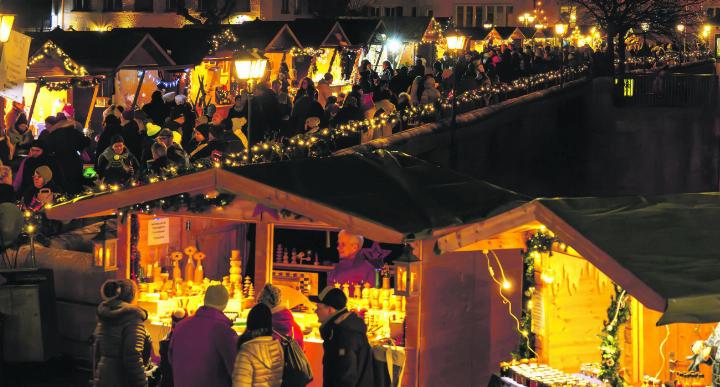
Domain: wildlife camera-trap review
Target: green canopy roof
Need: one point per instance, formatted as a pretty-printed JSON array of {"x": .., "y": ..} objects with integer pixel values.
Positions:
[{"x": 670, "y": 243}]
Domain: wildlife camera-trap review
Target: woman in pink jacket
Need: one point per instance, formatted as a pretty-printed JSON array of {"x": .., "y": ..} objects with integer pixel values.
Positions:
[{"x": 283, "y": 321}]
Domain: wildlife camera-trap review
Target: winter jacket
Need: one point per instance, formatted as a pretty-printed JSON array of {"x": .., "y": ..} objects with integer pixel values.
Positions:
[
  {"x": 64, "y": 144},
  {"x": 121, "y": 339},
  {"x": 178, "y": 156},
  {"x": 259, "y": 363},
  {"x": 203, "y": 349},
  {"x": 21, "y": 141},
  {"x": 114, "y": 167},
  {"x": 104, "y": 141},
  {"x": 284, "y": 323},
  {"x": 23, "y": 177},
  {"x": 347, "y": 358}
]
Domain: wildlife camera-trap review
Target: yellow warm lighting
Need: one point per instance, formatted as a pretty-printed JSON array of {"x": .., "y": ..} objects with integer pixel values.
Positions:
[
  {"x": 6, "y": 23},
  {"x": 506, "y": 285},
  {"x": 455, "y": 41},
  {"x": 547, "y": 278},
  {"x": 681, "y": 27},
  {"x": 30, "y": 228},
  {"x": 560, "y": 29},
  {"x": 250, "y": 68},
  {"x": 707, "y": 28}
]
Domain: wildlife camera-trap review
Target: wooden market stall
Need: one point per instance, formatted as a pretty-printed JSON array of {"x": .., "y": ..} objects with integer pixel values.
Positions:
[
  {"x": 369, "y": 37},
  {"x": 68, "y": 63},
  {"x": 325, "y": 49},
  {"x": 655, "y": 256},
  {"x": 409, "y": 201},
  {"x": 410, "y": 37},
  {"x": 477, "y": 38}
]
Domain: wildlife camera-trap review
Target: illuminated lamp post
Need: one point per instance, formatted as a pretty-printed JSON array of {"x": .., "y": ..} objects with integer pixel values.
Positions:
[
  {"x": 249, "y": 67},
  {"x": 681, "y": 28}
]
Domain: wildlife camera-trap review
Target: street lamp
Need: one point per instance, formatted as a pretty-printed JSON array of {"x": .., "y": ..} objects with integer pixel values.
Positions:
[
  {"x": 6, "y": 23},
  {"x": 526, "y": 19},
  {"x": 560, "y": 30},
  {"x": 645, "y": 27},
  {"x": 706, "y": 34},
  {"x": 681, "y": 29},
  {"x": 455, "y": 41},
  {"x": 487, "y": 26},
  {"x": 249, "y": 67}
]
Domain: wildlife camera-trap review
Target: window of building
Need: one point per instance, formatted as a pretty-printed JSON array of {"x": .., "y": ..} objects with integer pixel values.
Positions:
[
  {"x": 398, "y": 11},
  {"x": 413, "y": 11},
  {"x": 207, "y": 5},
  {"x": 112, "y": 5},
  {"x": 143, "y": 6},
  {"x": 285, "y": 7},
  {"x": 298, "y": 7},
  {"x": 476, "y": 16},
  {"x": 430, "y": 13},
  {"x": 490, "y": 15},
  {"x": 81, "y": 5}
]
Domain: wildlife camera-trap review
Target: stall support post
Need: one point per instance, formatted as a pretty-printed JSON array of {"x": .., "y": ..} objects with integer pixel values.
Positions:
[
  {"x": 32, "y": 104},
  {"x": 92, "y": 105},
  {"x": 123, "y": 247},
  {"x": 264, "y": 236},
  {"x": 137, "y": 90}
]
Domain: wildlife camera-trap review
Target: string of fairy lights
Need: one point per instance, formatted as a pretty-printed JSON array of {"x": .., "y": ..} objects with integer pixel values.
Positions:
[
  {"x": 50, "y": 50},
  {"x": 322, "y": 142}
]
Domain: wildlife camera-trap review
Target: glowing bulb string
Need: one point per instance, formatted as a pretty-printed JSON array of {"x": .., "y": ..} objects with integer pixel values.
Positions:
[{"x": 505, "y": 300}]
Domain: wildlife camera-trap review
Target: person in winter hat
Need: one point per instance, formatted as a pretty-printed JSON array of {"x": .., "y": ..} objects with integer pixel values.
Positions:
[
  {"x": 20, "y": 135},
  {"x": 203, "y": 348},
  {"x": 37, "y": 156},
  {"x": 42, "y": 191},
  {"x": 122, "y": 345},
  {"x": 347, "y": 356},
  {"x": 260, "y": 360},
  {"x": 283, "y": 322},
  {"x": 165, "y": 368},
  {"x": 64, "y": 143},
  {"x": 175, "y": 152},
  {"x": 160, "y": 162},
  {"x": 117, "y": 165}
]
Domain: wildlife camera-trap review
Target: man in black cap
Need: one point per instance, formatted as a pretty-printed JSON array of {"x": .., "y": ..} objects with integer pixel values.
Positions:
[
  {"x": 347, "y": 357},
  {"x": 117, "y": 165}
]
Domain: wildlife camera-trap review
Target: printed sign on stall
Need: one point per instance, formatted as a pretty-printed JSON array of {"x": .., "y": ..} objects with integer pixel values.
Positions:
[{"x": 159, "y": 231}]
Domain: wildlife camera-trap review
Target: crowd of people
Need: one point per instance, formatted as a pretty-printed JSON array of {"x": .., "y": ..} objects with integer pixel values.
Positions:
[{"x": 204, "y": 350}]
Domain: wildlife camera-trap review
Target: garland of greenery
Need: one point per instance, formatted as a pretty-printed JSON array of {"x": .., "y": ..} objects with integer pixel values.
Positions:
[
  {"x": 193, "y": 203},
  {"x": 539, "y": 243},
  {"x": 134, "y": 251},
  {"x": 618, "y": 314}
]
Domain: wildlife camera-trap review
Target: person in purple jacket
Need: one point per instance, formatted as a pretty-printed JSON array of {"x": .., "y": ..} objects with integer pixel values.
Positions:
[
  {"x": 203, "y": 347},
  {"x": 352, "y": 268}
]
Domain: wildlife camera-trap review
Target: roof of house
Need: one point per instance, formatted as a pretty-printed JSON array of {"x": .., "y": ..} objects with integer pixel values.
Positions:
[
  {"x": 406, "y": 28},
  {"x": 362, "y": 32},
  {"x": 312, "y": 32}
]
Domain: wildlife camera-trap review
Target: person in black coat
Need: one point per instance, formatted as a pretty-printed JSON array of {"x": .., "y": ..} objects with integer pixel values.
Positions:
[
  {"x": 111, "y": 129},
  {"x": 37, "y": 156},
  {"x": 156, "y": 109},
  {"x": 131, "y": 132},
  {"x": 184, "y": 109},
  {"x": 305, "y": 107},
  {"x": 7, "y": 193},
  {"x": 64, "y": 144},
  {"x": 347, "y": 355}
]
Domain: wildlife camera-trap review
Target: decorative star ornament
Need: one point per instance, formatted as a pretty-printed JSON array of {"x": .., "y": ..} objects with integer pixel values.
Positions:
[{"x": 375, "y": 254}]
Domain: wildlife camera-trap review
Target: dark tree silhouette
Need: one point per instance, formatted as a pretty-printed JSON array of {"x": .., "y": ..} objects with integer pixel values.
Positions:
[
  {"x": 211, "y": 16},
  {"x": 617, "y": 17}
]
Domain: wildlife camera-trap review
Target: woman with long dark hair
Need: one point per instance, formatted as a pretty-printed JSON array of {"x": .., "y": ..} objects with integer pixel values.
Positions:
[{"x": 260, "y": 358}]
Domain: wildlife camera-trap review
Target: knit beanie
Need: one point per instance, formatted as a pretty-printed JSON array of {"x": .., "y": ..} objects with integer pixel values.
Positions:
[
  {"x": 259, "y": 317},
  {"x": 152, "y": 129},
  {"x": 216, "y": 296},
  {"x": 331, "y": 296},
  {"x": 180, "y": 99},
  {"x": 45, "y": 172},
  {"x": 123, "y": 290},
  {"x": 204, "y": 129},
  {"x": 270, "y": 296},
  {"x": 22, "y": 119},
  {"x": 116, "y": 139}
]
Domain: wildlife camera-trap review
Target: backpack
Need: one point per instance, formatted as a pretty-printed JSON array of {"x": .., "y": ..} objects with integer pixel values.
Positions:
[{"x": 296, "y": 370}]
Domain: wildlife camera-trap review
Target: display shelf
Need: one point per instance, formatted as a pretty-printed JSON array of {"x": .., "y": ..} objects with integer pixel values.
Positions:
[{"x": 295, "y": 266}]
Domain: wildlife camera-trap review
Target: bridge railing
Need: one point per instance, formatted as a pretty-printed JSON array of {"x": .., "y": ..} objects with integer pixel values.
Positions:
[{"x": 666, "y": 90}]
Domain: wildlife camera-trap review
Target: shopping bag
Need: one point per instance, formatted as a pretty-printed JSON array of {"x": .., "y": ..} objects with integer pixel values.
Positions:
[
  {"x": 388, "y": 365},
  {"x": 296, "y": 371}
]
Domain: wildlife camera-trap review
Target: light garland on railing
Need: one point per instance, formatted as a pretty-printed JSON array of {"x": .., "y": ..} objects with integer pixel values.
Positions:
[
  {"x": 66, "y": 85},
  {"x": 49, "y": 49},
  {"x": 321, "y": 142}
]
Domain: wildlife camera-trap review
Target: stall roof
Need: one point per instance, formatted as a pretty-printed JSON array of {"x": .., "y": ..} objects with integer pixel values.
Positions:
[
  {"x": 312, "y": 32},
  {"x": 407, "y": 28},
  {"x": 118, "y": 48},
  {"x": 477, "y": 33},
  {"x": 265, "y": 35},
  {"x": 187, "y": 46},
  {"x": 362, "y": 32},
  {"x": 662, "y": 250},
  {"x": 527, "y": 32},
  {"x": 387, "y": 196},
  {"x": 504, "y": 32}
]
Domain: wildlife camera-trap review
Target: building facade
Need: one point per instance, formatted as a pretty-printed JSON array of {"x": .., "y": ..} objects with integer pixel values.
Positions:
[{"x": 101, "y": 15}]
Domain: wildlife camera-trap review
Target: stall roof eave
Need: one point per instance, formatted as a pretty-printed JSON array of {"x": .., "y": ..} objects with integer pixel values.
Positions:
[{"x": 660, "y": 249}]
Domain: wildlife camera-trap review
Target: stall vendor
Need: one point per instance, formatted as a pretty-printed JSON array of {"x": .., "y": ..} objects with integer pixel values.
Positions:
[
  {"x": 352, "y": 268},
  {"x": 707, "y": 351}
]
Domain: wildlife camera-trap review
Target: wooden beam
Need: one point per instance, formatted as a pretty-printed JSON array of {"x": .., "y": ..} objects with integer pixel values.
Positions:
[
  {"x": 137, "y": 90},
  {"x": 504, "y": 241},
  {"x": 34, "y": 99},
  {"x": 92, "y": 105},
  {"x": 264, "y": 237},
  {"x": 600, "y": 259},
  {"x": 276, "y": 198},
  {"x": 199, "y": 181},
  {"x": 512, "y": 220},
  {"x": 123, "y": 248}
]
